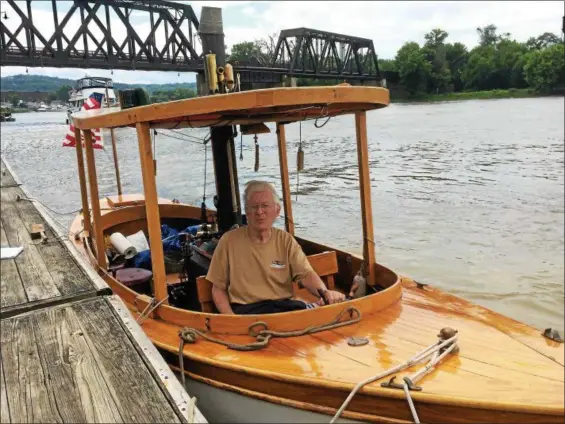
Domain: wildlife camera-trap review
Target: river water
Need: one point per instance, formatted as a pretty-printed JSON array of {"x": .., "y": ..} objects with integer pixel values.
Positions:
[{"x": 467, "y": 196}]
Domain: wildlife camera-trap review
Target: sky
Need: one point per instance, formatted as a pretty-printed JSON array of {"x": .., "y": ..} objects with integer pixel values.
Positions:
[{"x": 388, "y": 24}]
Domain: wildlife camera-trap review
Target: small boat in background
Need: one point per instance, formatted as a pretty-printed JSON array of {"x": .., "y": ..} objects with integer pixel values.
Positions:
[
  {"x": 84, "y": 87},
  {"x": 6, "y": 116}
]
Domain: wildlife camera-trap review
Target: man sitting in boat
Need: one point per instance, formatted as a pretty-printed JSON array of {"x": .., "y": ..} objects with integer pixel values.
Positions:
[{"x": 253, "y": 266}]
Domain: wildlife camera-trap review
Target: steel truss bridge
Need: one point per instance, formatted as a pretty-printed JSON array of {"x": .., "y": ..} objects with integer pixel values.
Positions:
[{"x": 101, "y": 34}]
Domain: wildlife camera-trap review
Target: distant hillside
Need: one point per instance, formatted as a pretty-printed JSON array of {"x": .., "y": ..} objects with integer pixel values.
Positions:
[{"x": 52, "y": 84}]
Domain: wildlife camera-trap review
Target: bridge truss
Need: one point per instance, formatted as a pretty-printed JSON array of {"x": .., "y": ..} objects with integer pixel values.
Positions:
[{"x": 100, "y": 34}]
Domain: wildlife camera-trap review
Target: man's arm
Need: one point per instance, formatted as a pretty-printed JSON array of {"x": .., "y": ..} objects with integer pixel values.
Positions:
[
  {"x": 222, "y": 300},
  {"x": 218, "y": 275},
  {"x": 313, "y": 283}
]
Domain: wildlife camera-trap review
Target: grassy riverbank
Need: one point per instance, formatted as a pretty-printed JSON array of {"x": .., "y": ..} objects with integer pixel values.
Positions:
[{"x": 478, "y": 95}]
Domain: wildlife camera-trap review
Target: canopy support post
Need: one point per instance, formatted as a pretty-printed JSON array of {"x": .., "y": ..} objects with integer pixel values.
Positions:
[
  {"x": 365, "y": 191},
  {"x": 114, "y": 151},
  {"x": 82, "y": 181},
  {"x": 94, "y": 199},
  {"x": 152, "y": 212},
  {"x": 285, "y": 181}
]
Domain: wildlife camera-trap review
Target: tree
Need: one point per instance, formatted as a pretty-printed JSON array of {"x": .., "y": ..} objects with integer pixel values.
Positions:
[
  {"x": 387, "y": 65},
  {"x": 544, "y": 69},
  {"x": 63, "y": 93},
  {"x": 456, "y": 55},
  {"x": 541, "y": 42},
  {"x": 51, "y": 97},
  {"x": 435, "y": 53},
  {"x": 244, "y": 51},
  {"x": 435, "y": 38},
  {"x": 509, "y": 68},
  {"x": 479, "y": 74},
  {"x": 413, "y": 67},
  {"x": 488, "y": 36}
]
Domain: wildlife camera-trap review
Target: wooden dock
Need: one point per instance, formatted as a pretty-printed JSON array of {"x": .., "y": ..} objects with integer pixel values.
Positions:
[{"x": 70, "y": 351}]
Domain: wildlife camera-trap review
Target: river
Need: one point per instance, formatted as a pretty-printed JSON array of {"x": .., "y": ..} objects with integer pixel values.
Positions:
[{"x": 467, "y": 196}]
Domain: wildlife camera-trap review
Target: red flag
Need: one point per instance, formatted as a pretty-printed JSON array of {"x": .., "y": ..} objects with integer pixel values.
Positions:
[{"x": 94, "y": 101}]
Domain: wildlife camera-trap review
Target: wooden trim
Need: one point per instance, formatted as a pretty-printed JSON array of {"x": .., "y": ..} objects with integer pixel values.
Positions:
[
  {"x": 204, "y": 291},
  {"x": 365, "y": 190},
  {"x": 256, "y": 102},
  {"x": 94, "y": 199},
  {"x": 152, "y": 212},
  {"x": 82, "y": 181},
  {"x": 283, "y": 161}
]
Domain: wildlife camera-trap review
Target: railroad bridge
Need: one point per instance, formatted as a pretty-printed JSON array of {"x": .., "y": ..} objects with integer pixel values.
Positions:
[{"x": 167, "y": 37}]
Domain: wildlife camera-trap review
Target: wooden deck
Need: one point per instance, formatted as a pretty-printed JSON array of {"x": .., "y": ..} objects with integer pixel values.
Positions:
[
  {"x": 45, "y": 273},
  {"x": 70, "y": 351}
]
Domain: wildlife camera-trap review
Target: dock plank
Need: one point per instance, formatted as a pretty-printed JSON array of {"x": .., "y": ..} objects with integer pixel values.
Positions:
[
  {"x": 26, "y": 382},
  {"x": 11, "y": 288},
  {"x": 122, "y": 365},
  {"x": 76, "y": 382},
  {"x": 4, "y": 409},
  {"x": 34, "y": 274},
  {"x": 6, "y": 178},
  {"x": 66, "y": 274}
]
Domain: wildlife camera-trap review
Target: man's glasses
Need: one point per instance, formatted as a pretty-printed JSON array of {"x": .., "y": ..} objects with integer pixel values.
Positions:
[{"x": 264, "y": 206}]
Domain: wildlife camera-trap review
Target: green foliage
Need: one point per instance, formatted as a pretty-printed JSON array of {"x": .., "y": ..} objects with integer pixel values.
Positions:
[
  {"x": 489, "y": 37},
  {"x": 63, "y": 93},
  {"x": 413, "y": 67},
  {"x": 544, "y": 69},
  {"x": 456, "y": 56},
  {"x": 52, "y": 84},
  {"x": 480, "y": 69},
  {"x": 545, "y": 40},
  {"x": 244, "y": 51},
  {"x": 387, "y": 65},
  {"x": 159, "y": 96}
]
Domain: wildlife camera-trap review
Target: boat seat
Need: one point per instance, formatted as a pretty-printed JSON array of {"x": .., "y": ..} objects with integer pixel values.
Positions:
[{"x": 324, "y": 264}]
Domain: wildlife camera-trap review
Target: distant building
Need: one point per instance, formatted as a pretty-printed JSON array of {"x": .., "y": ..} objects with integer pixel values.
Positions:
[{"x": 26, "y": 96}]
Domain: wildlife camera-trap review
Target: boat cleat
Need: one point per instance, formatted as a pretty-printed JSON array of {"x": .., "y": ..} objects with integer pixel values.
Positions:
[{"x": 391, "y": 384}]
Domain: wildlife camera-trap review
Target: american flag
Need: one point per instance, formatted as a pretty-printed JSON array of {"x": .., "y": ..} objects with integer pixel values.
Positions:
[{"x": 94, "y": 101}]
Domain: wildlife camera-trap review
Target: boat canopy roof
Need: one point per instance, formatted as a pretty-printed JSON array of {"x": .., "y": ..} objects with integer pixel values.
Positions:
[
  {"x": 93, "y": 82},
  {"x": 283, "y": 105}
]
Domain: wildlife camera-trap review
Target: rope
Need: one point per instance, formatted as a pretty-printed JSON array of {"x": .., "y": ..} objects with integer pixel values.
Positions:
[
  {"x": 146, "y": 312},
  {"x": 411, "y": 403},
  {"x": 32, "y": 199},
  {"x": 262, "y": 337},
  {"x": 435, "y": 347}
]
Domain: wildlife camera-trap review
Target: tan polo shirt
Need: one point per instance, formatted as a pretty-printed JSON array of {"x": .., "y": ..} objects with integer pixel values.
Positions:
[{"x": 253, "y": 271}]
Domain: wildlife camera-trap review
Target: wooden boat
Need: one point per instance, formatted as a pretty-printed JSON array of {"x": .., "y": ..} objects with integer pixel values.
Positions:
[{"x": 505, "y": 371}]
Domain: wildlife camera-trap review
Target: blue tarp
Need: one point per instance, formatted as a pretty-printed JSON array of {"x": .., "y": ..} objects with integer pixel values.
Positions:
[{"x": 171, "y": 243}]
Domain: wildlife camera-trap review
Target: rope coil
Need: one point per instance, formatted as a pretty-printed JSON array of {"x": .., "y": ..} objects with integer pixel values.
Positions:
[{"x": 262, "y": 337}]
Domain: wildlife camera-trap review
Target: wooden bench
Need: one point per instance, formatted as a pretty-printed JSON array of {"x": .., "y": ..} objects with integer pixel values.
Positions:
[{"x": 324, "y": 264}]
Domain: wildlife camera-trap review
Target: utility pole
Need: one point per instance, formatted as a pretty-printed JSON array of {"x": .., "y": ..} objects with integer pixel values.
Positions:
[{"x": 222, "y": 138}]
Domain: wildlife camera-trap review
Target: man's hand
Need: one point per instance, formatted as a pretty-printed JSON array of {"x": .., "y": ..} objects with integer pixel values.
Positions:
[
  {"x": 313, "y": 283},
  {"x": 332, "y": 296}
]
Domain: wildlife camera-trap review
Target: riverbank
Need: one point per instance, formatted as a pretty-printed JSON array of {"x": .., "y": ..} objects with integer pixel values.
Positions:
[{"x": 478, "y": 95}]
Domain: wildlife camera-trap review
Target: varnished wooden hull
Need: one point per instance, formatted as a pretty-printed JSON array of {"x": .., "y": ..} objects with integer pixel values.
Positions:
[
  {"x": 243, "y": 408},
  {"x": 506, "y": 371}
]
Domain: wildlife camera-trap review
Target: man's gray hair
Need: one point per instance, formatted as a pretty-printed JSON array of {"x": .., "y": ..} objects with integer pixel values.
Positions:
[{"x": 254, "y": 186}]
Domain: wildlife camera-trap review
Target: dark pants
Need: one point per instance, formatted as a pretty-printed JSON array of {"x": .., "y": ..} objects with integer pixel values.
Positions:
[{"x": 268, "y": 307}]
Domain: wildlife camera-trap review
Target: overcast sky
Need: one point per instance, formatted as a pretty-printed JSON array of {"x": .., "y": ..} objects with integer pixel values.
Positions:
[{"x": 388, "y": 24}]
